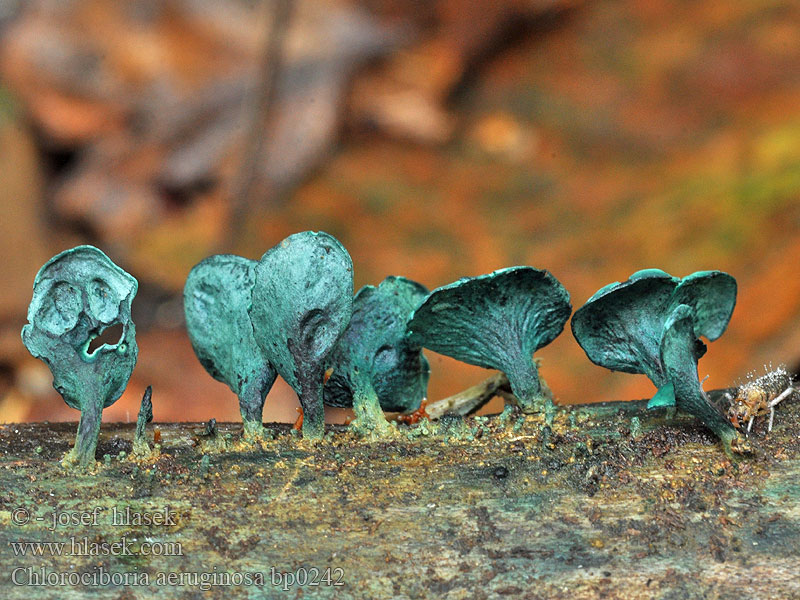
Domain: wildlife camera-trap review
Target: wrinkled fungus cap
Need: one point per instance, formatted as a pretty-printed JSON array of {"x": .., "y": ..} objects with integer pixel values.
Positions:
[
  {"x": 77, "y": 295},
  {"x": 302, "y": 301},
  {"x": 215, "y": 300},
  {"x": 712, "y": 296},
  {"x": 79, "y": 282},
  {"x": 620, "y": 327}
]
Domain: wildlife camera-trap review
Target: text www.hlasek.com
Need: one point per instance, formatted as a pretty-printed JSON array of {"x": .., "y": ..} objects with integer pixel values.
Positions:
[{"x": 75, "y": 546}]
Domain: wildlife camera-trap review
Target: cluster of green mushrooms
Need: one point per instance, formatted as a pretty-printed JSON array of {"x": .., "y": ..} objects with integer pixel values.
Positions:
[{"x": 293, "y": 313}]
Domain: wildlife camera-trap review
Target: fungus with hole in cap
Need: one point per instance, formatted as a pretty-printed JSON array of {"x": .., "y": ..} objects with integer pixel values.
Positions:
[
  {"x": 651, "y": 324},
  {"x": 301, "y": 304},
  {"x": 77, "y": 295},
  {"x": 497, "y": 321},
  {"x": 216, "y": 297},
  {"x": 376, "y": 366}
]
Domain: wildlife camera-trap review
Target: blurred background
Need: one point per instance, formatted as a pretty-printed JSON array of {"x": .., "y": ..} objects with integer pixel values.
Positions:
[{"x": 436, "y": 139}]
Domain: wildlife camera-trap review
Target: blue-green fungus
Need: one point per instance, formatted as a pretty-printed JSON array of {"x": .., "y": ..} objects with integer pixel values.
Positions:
[
  {"x": 375, "y": 366},
  {"x": 302, "y": 302},
  {"x": 141, "y": 447},
  {"x": 77, "y": 295},
  {"x": 497, "y": 321},
  {"x": 651, "y": 324},
  {"x": 216, "y": 299}
]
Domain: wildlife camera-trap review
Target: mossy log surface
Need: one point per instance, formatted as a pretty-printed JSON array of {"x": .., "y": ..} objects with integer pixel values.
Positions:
[{"x": 598, "y": 505}]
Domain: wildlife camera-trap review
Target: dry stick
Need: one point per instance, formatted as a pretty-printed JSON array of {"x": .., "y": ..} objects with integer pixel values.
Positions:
[
  {"x": 257, "y": 112},
  {"x": 471, "y": 399}
]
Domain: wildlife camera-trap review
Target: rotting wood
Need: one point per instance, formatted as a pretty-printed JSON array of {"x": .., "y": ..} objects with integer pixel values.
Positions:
[{"x": 611, "y": 501}]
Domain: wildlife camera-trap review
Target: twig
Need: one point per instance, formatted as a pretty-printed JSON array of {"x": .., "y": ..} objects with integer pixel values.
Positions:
[
  {"x": 471, "y": 399},
  {"x": 257, "y": 112}
]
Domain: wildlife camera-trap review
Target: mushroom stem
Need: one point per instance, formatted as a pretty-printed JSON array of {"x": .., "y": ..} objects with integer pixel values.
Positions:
[
  {"x": 692, "y": 399},
  {"x": 526, "y": 387},
  {"x": 680, "y": 362},
  {"x": 533, "y": 395},
  {"x": 251, "y": 405},
  {"x": 370, "y": 419},
  {"x": 310, "y": 397},
  {"x": 82, "y": 453},
  {"x": 252, "y": 430}
]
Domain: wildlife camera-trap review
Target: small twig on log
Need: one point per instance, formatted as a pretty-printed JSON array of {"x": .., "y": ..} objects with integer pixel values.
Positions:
[
  {"x": 257, "y": 113},
  {"x": 471, "y": 399},
  {"x": 507, "y": 396}
]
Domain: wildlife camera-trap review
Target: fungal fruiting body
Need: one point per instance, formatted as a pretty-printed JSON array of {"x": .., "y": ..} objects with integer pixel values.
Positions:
[
  {"x": 375, "y": 365},
  {"x": 652, "y": 324},
  {"x": 216, "y": 299},
  {"x": 302, "y": 302},
  {"x": 497, "y": 321},
  {"x": 140, "y": 445},
  {"x": 77, "y": 295}
]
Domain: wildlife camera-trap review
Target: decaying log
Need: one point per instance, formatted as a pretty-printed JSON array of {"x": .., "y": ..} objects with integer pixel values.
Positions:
[{"x": 611, "y": 501}]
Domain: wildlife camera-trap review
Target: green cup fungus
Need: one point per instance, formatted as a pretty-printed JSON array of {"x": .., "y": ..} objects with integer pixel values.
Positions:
[
  {"x": 651, "y": 324},
  {"x": 375, "y": 366},
  {"x": 301, "y": 304},
  {"x": 77, "y": 295},
  {"x": 216, "y": 299},
  {"x": 497, "y": 321},
  {"x": 293, "y": 313}
]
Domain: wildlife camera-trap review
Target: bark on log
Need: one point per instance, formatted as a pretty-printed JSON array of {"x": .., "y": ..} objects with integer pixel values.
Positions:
[{"x": 612, "y": 501}]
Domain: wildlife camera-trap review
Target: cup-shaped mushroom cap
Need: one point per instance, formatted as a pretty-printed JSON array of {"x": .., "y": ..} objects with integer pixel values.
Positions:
[
  {"x": 376, "y": 346},
  {"x": 496, "y": 321},
  {"x": 82, "y": 279},
  {"x": 77, "y": 295},
  {"x": 621, "y": 326},
  {"x": 215, "y": 300},
  {"x": 302, "y": 301}
]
